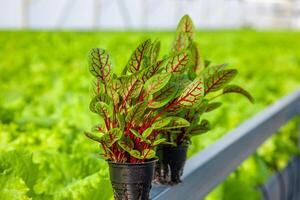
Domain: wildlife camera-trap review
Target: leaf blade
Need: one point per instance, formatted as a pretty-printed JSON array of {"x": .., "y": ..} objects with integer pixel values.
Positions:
[
  {"x": 213, "y": 106},
  {"x": 136, "y": 59},
  {"x": 94, "y": 137},
  {"x": 100, "y": 64},
  {"x": 197, "y": 61},
  {"x": 239, "y": 90},
  {"x": 134, "y": 115},
  {"x": 192, "y": 93},
  {"x": 203, "y": 127},
  {"x": 176, "y": 122},
  {"x": 156, "y": 82},
  {"x": 163, "y": 96},
  {"x": 219, "y": 79},
  {"x": 148, "y": 153},
  {"x": 179, "y": 63}
]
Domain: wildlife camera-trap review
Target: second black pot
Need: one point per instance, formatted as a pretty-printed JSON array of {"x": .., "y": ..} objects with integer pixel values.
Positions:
[
  {"x": 169, "y": 167},
  {"x": 131, "y": 181}
]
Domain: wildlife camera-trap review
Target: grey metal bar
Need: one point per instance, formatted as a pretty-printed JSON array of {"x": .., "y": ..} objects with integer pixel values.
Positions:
[{"x": 211, "y": 166}]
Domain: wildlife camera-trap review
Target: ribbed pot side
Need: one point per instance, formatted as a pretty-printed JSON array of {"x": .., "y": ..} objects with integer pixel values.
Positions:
[
  {"x": 169, "y": 168},
  {"x": 131, "y": 181}
]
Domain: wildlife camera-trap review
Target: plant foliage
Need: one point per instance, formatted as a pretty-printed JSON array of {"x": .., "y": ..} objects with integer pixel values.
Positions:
[
  {"x": 195, "y": 79},
  {"x": 154, "y": 97},
  {"x": 131, "y": 106}
]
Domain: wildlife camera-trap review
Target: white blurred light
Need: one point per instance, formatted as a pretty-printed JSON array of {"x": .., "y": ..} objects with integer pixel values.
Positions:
[{"x": 148, "y": 14}]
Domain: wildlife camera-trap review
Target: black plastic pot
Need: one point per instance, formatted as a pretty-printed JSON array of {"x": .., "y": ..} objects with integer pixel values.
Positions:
[
  {"x": 169, "y": 167},
  {"x": 131, "y": 181}
]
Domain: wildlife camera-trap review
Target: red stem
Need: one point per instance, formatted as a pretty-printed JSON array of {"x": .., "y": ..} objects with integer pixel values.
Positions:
[{"x": 174, "y": 102}]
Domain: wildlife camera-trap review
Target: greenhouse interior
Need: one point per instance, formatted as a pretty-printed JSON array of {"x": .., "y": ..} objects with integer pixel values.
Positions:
[{"x": 149, "y": 99}]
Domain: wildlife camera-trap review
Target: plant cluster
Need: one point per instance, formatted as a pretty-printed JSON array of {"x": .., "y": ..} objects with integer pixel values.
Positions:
[
  {"x": 155, "y": 100},
  {"x": 132, "y": 106},
  {"x": 129, "y": 105}
]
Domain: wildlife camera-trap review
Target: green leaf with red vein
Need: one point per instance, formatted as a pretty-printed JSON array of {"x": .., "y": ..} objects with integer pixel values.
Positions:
[
  {"x": 184, "y": 34},
  {"x": 101, "y": 97},
  {"x": 135, "y": 114},
  {"x": 147, "y": 133},
  {"x": 148, "y": 153},
  {"x": 97, "y": 87},
  {"x": 141, "y": 136},
  {"x": 192, "y": 93},
  {"x": 211, "y": 70},
  {"x": 186, "y": 25},
  {"x": 121, "y": 120},
  {"x": 219, "y": 79},
  {"x": 213, "y": 106},
  {"x": 203, "y": 127},
  {"x": 196, "y": 61},
  {"x": 136, "y": 133},
  {"x": 136, "y": 154},
  {"x": 100, "y": 64},
  {"x": 99, "y": 128},
  {"x": 197, "y": 110},
  {"x": 159, "y": 141},
  {"x": 113, "y": 91},
  {"x": 181, "y": 81},
  {"x": 115, "y": 135},
  {"x": 152, "y": 70},
  {"x": 200, "y": 107},
  {"x": 180, "y": 43},
  {"x": 179, "y": 63},
  {"x": 101, "y": 108},
  {"x": 176, "y": 122},
  {"x": 156, "y": 82},
  {"x": 161, "y": 123},
  {"x": 239, "y": 90},
  {"x": 154, "y": 52},
  {"x": 130, "y": 87},
  {"x": 126, "y": 144},
  {"x": 163, "y": 96},
  {"x": 96, "y": 136},
  {"x": 136, "y": 60},
  {"x": 100, "y": 104}
]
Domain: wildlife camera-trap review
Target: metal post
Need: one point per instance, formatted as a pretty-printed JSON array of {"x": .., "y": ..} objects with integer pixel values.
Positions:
[
  {"x": 25, "y": 4},
  {"x": 177, "y": 10},
  {"x": 65, "y": 13},
  {"x": 125, "y": 13},
  {"x": 144, "y": 18},
  {"x": 96, "y": 9}
]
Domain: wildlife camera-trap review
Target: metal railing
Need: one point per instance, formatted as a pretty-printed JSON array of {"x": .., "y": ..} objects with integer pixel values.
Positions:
[{"x": 205, "y": 170}]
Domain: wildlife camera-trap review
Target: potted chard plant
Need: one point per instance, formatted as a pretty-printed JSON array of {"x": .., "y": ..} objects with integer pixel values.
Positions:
[
  {"x": 201, "y": 81},
  {"x": 132, "y": 109}
]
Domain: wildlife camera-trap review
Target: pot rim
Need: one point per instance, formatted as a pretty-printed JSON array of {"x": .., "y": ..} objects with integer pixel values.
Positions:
[
  {"x": 133, "y": 164},
  {"x": 185, "y": 144}
]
